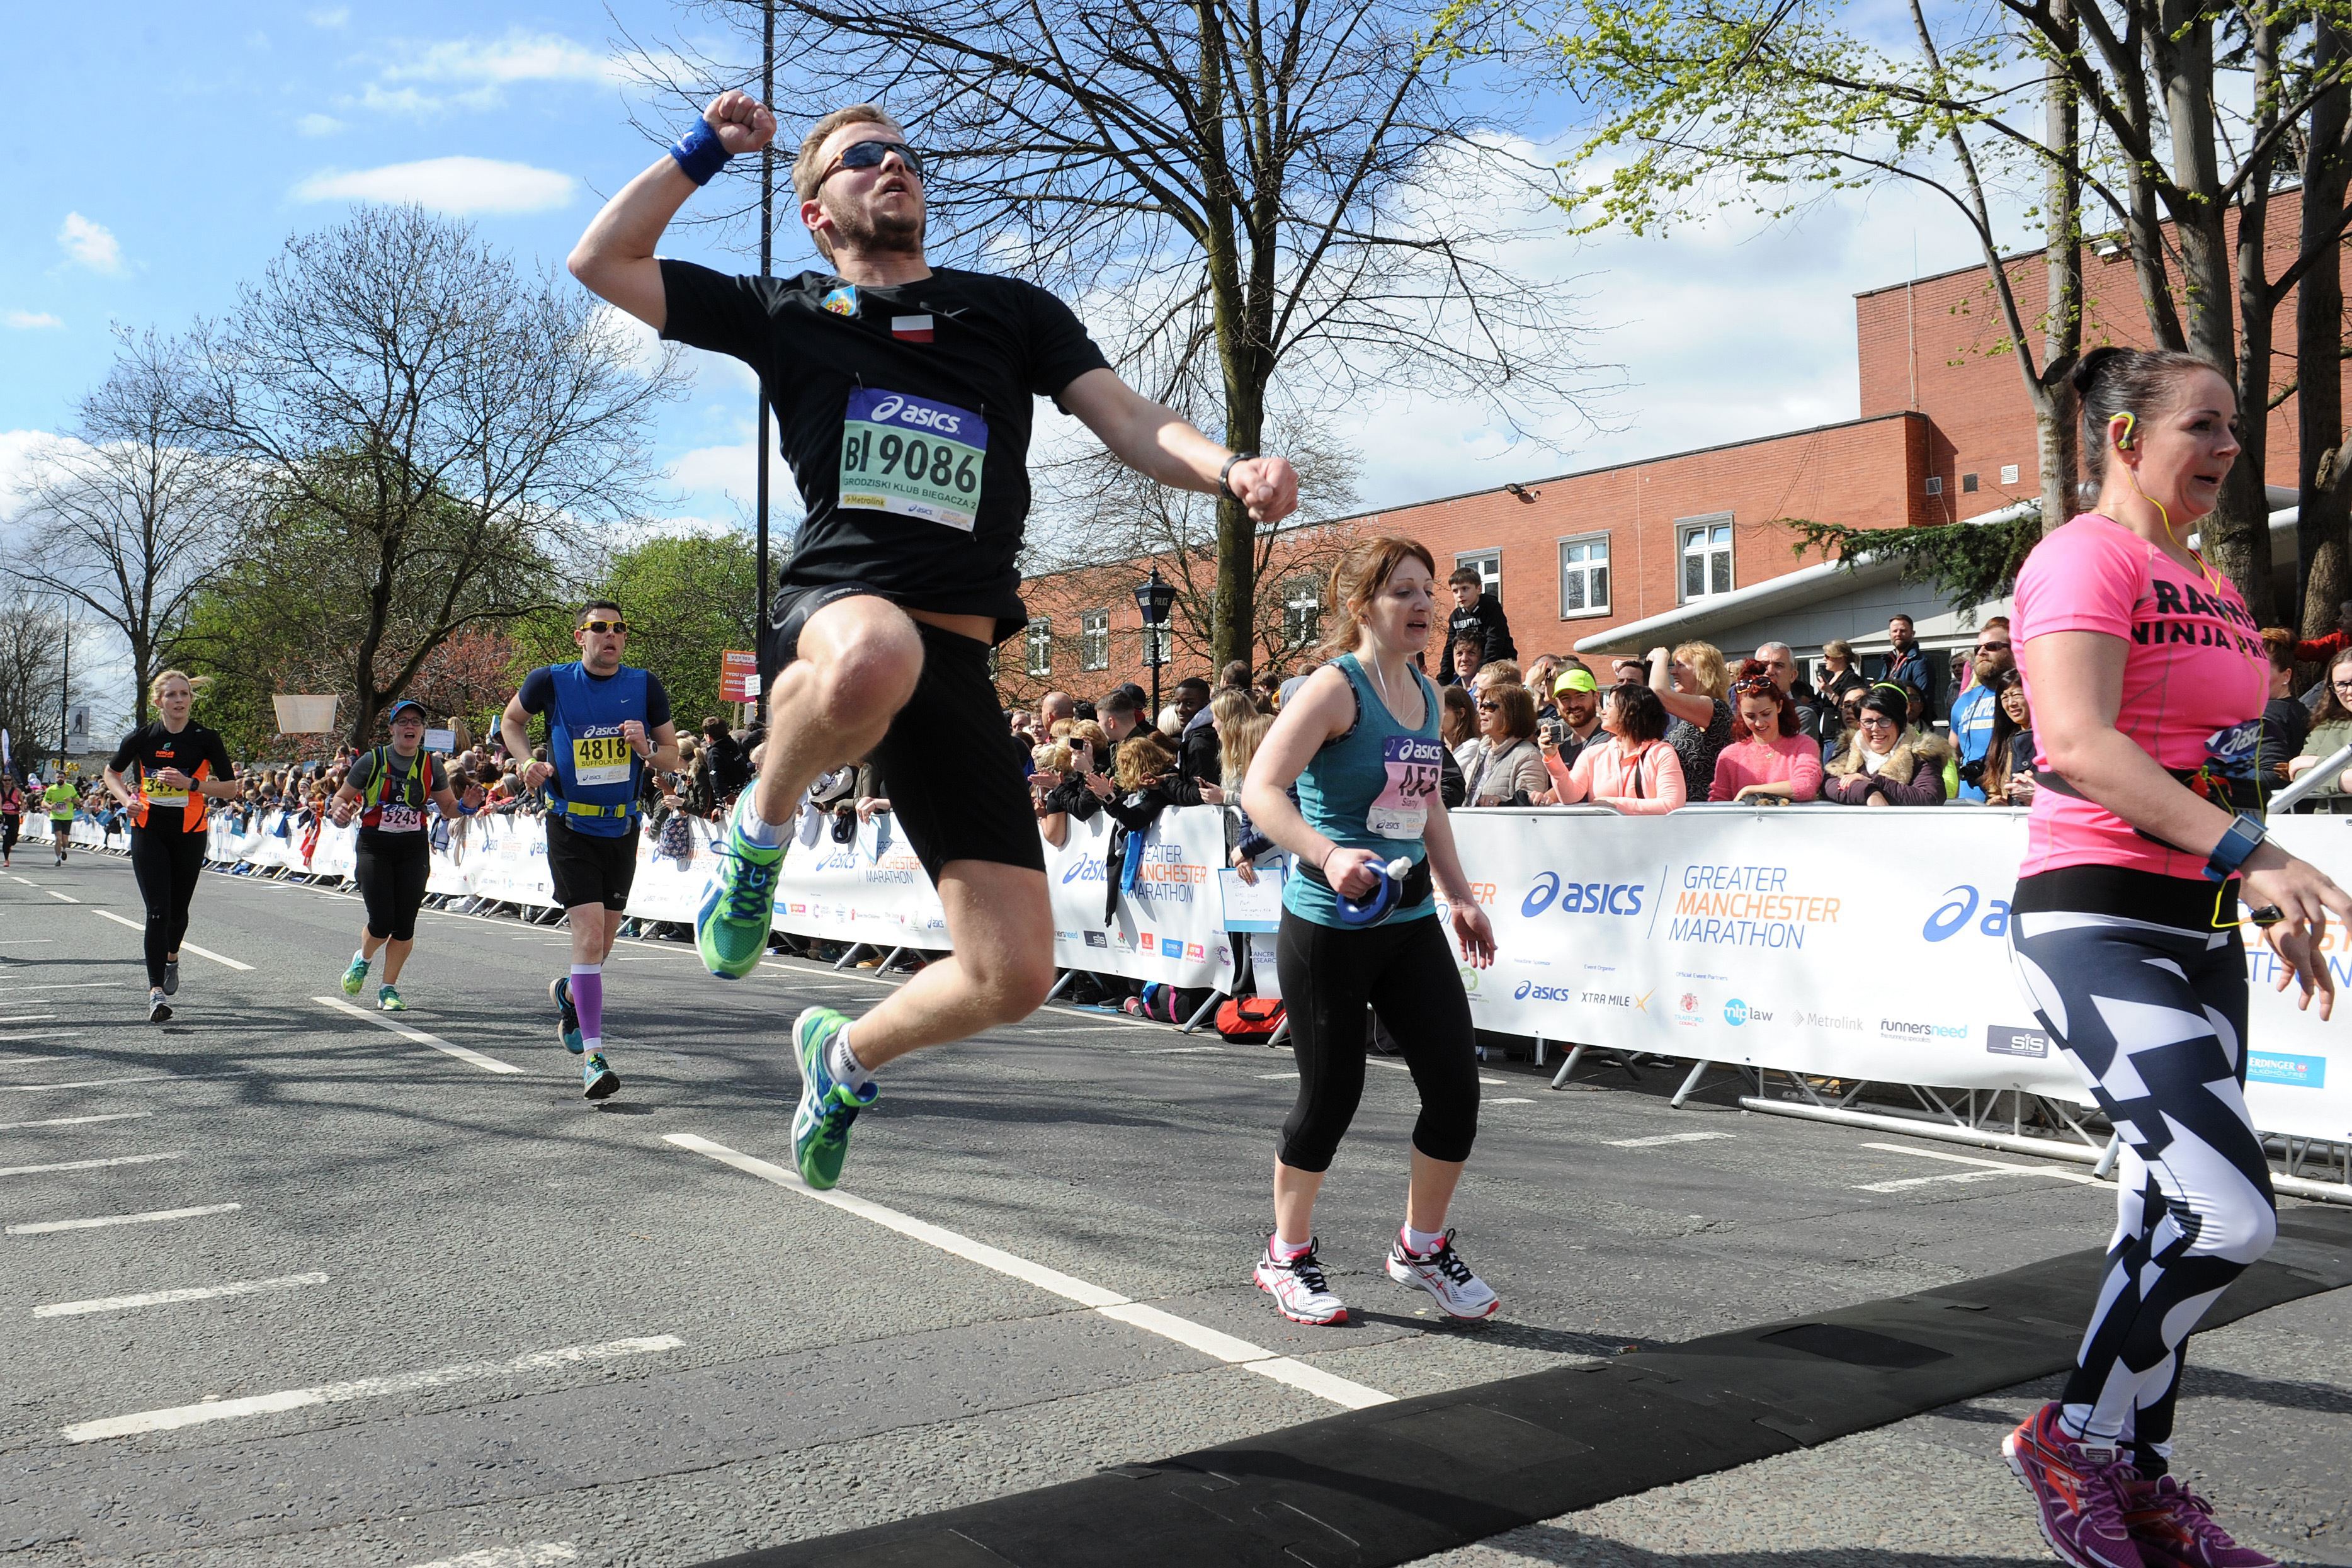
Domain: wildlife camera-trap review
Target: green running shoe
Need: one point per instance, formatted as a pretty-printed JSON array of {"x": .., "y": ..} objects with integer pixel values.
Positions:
[
  {"x": 567, "y": 1020},
  {"x": 597, "y": 1080},
  {"x": 355, "y": 976},
  {"x": 821, "y": 1121},
  {"x": 389, "y": 1000},
  {"x": 730, "y": 931}
]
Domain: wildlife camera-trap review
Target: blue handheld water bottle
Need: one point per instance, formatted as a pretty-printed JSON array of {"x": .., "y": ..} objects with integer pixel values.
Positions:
[{"x": 1385, "y": 896}]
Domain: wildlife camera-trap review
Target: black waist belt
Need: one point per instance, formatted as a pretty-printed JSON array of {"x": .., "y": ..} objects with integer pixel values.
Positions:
[
  {"x": 1418, "y": 882},
  {"x": 2238, "y": 794}
]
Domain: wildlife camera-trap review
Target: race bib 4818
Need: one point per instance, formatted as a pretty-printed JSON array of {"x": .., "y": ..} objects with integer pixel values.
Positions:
[
  {"x": 913, "y": 456},
  {"x": 600, "y": 759}
]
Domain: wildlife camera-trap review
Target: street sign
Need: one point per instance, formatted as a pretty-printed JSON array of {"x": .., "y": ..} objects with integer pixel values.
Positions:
[{"x": 738, "y": 676}]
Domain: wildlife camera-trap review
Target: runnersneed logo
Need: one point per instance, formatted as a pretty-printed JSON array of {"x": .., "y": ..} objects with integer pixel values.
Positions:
[
  {"x": 1912, "y": 1029},
  {"x": 1580, "y": 898}
]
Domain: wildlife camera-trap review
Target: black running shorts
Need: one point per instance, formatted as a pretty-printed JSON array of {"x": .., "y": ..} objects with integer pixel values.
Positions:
[
  {"x": 587, "y": 869},
  {"x": 950, "y": 762}
]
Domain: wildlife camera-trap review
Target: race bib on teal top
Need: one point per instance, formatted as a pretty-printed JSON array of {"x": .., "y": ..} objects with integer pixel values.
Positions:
[
  {"x": 913, "y": 456},
  {"x": 1402, "y": 809}
]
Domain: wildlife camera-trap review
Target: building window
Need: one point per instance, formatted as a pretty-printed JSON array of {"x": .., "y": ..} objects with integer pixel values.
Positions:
[
  {"x": 1488, "y": 564},
  {"x": 1935, "y": 484},
  {"x": 1968, "y": 484},
  {"x": 1159, "y": 645},
  {"x": 2009, "y": 473},
  {"x": 1302, "y": 612},
  {"x": 1584, "y": 575},
  {"x": 1094, "y": 639},
  {"x": 1041, "y": 647},
  {"x": 1706, "y": 555}
]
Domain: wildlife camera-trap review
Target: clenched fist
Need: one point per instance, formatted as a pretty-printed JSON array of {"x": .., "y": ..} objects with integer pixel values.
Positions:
[{"x": 744, "y": 124}]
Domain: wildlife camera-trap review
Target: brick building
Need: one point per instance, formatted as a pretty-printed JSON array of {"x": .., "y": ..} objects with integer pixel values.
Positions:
[{"x": 1695, "y": 544}]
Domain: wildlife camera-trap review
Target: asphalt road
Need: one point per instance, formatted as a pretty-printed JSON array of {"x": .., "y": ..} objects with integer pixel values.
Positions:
[{"x": 478, "y": 1319}]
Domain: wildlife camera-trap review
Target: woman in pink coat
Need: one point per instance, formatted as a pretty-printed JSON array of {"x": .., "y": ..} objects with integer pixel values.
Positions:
[
  {"x": 1768, "y": 757},
  {"x": 1631, "y": 767}
]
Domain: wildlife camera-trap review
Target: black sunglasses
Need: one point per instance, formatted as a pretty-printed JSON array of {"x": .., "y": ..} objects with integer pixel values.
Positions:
[
  {"x": 869, "y": 156},
  {"x": 1488, "y": 707}
]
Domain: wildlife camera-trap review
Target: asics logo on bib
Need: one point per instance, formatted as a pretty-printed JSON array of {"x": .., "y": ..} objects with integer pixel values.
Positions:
[
  {"x": 1582, "y": 898},
  {"x": 896, "y": 410}
]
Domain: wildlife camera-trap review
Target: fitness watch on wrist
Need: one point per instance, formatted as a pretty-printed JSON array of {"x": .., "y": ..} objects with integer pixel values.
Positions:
[
  {"x": 2245, "y": 836},
  {"x": 1224, "y": 473}
]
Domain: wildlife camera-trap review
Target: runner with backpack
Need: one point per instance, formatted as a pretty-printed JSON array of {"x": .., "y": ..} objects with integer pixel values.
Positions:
[{"x": 386, "y": 790}]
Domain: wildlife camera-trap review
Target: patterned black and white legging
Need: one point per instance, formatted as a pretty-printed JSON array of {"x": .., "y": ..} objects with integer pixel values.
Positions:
[{"x": 2151, "y": 1007}]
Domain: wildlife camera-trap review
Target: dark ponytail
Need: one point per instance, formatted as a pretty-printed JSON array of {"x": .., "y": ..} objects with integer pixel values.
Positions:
[{"x": 2111, "y": 381}]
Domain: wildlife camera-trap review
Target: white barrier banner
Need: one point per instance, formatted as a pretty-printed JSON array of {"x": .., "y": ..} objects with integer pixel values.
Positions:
[
  {"x": 1854, "y": 944},
  {"x": 1169, "y": 922},
  {"x": 669, "y": 888},
  {"x": 870, "y": 890}
]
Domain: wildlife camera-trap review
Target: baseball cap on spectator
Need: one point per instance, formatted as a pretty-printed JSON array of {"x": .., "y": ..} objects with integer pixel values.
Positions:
[
  {"x": 391, "y": 714},
  {"x": 1578, "y": 680}
]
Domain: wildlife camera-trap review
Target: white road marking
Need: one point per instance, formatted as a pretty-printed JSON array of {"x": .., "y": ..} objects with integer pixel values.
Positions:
[
  {"x": 44, "y": 1034},
  {"x": 90, "y": 1165},
  {"x": 25, "y": 941},
  {"x": 46, "y": 1226},
  {"x": 1495, "y": 1081},
  {"x": 1514, "y": 1100},
  {"x": 537, "y": 1554},
  {"x": 1179, "y": 1050},
  {"x": 1664, "y": 1139},
  {"x": 37, "y": 1062},
  {"x": 488, "y": 1064},
  {"x": 1980, "y": 1170},
  {"x": 102, "y": 1083},
  {"x": 166, "y": 1297},
  {"x": 62, "y": 985},
  {"x": 1110, "y": 1303},
  {"x": 360, "y": 1388},
  {"x": 69, "y": 899},
  {"x": 184, "y": 947},
  {"x": 76, "y": 1121},
  {"x": 31, "y": 1018},
  {"x": 1277, "y": 1075}
]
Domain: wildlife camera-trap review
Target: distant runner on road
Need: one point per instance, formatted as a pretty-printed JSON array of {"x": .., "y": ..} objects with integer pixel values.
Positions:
[
  {"x": 605, "y": 722},
  {"x": 386, "y": 790},
  {"x": 904, "y": 395},
  {"x": 62, "y": 799},
  {"x": 162, "y": 774}
]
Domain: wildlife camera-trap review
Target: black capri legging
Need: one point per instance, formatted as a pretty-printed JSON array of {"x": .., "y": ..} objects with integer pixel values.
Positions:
[
  {"x": 1406, "y": 973},
  {"x": 166, "y": 862},
  {"x": 392, "y": 885}
]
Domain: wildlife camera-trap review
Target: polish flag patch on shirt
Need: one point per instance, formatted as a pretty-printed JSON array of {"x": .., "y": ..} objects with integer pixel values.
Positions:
[{"x": 912, "y": 329}]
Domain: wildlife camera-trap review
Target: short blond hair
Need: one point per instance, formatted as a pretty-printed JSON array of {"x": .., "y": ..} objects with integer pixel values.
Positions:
[
  {"x": 807, "y": 170},
  {"x": 1707, "y": 664}
]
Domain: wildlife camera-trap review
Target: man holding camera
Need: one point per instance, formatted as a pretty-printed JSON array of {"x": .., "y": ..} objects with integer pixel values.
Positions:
[{"x": 1973, "y": 709}]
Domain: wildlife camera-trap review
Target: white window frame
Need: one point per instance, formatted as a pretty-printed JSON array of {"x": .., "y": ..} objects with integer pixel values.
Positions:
[
  {"x": 1302, "y": 601},
  {"x": 1685, "y": 528},
  {"x": 1037, "y": 653},
  {"x": 1590, "y": 606},
  {"x": 1094, "y": 639},
  {"x": 1488, "y": 564}
]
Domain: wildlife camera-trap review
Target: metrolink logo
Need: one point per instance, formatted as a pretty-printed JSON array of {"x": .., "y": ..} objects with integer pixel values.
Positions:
[{"x": 1582, "y": 898}]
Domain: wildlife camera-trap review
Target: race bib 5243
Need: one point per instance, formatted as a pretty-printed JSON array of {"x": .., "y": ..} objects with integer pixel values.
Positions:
[{"x": 912, "y": 457}]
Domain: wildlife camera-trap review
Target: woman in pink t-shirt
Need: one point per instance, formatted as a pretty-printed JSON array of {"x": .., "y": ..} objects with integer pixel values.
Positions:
[
  {"x": 1631, "y": 768},
  {"x": 2147, "y": 679},
  {"x": 1768, "y": 758}
]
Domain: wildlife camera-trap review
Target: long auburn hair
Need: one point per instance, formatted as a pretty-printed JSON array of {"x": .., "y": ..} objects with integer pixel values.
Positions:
[
  {"x": 1362, "y": 572},
  {"x": 1752, "y": 670}
]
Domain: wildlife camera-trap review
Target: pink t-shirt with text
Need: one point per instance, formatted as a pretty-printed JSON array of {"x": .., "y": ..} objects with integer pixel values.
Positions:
[{"x": 2195, "y": 666}]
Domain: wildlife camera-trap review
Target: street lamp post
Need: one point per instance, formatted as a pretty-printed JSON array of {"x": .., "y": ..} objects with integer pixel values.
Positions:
[
  {"x": 1154, "y": 598},
  {"x": 767, "y": 268}
]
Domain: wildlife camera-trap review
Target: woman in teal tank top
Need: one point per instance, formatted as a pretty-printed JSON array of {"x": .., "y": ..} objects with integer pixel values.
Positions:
[{"x": 1359, "y": 742}]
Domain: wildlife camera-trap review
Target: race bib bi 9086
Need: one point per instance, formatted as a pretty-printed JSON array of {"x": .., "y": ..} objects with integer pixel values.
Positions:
[{"x": 912, "y": 457}]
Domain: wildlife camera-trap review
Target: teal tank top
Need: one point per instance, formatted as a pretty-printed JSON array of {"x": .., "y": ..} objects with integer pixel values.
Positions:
[{"x": 1372, "y": 788}]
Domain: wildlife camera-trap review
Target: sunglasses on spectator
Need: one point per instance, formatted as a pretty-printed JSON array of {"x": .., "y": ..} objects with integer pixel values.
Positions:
[
  {"x": 1488, "y": 706},
  {"x": 1756, "y": 686},
  {"x": 869, "y": 156},
  {"x": 603, "y": 625}
]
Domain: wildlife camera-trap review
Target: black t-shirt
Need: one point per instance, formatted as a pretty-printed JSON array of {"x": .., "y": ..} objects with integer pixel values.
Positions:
[
  {"x": 195, "y": 750},
  {"x": 938, "y": 375}
]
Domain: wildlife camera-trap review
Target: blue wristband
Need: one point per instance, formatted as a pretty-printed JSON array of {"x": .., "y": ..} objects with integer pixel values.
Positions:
[{"x": 699, "y": 152}]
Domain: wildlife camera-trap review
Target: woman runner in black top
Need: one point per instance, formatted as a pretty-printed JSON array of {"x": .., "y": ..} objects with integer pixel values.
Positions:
[
  {"x": 386, "y": 790},
  {"x": 162, "y": 774}
]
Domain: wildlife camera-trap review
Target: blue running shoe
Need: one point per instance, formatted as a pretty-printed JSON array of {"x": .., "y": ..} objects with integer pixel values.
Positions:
[
  {"x": 730, "y": 930},
  {"x": 597, "y": 1080},
  {"x": 559, "y": 991},
  {"x": 353, "y": 977},
  {"x": 389, "y": 1000},
  {"x": 821, "y": 1121}
]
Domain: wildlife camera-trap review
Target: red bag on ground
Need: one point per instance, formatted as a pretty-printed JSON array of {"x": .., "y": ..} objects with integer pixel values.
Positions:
[{"x": 1248, "y": 1018}]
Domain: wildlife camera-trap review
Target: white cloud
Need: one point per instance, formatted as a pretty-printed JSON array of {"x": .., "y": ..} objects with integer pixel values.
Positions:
[
  {"x": 473, "y": 73},
  {"x": 92, "y": 245},
  {"x": 317, "y": 125},
  {"x": 459, "y": 185},
  {"x": 330, "y": 15},
  {"x": 28, "y": 321},
  {"x": 733, "y": 471},
  {"x": 20, "y": 452}
]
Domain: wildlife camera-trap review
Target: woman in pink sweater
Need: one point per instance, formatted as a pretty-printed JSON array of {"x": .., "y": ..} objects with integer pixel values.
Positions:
[
  {"x": 1631, "y": 767},
  {"x": 1768, "y": 758}
]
